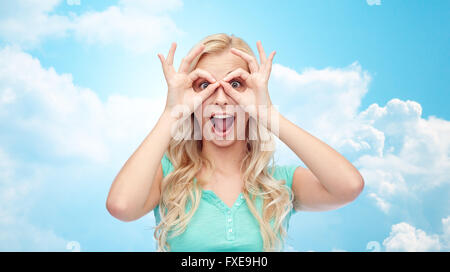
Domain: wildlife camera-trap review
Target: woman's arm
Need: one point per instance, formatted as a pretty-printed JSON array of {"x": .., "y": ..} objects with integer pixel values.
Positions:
[
  {"x": 329, "y": 182},
  {"x": 130, "y": 190},
  {"x": 132, "y": 195}
]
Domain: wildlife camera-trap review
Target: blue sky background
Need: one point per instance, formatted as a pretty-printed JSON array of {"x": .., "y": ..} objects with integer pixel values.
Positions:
[{"x": 81, "y": 86}]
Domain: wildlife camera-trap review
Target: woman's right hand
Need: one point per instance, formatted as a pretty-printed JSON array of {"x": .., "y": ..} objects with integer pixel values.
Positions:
[{"x": 180, "y": 89}]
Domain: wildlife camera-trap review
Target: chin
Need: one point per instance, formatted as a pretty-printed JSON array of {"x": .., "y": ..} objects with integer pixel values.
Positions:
[{"x": 223, "y": 143}]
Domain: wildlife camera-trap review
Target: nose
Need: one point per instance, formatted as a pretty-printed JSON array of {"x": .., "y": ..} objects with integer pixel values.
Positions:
[{"x": 221, "y": 97}]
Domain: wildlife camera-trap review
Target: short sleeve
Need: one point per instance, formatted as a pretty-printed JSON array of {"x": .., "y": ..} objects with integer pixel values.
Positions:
[
  {"x": 285, "y": 172},
  {"x": 167, "y": 167},
  {"x": 166, "y": 164}
]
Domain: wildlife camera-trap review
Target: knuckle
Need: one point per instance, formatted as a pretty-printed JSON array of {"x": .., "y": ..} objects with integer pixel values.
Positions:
[
  {"x": 200, "y": 71},
  {"x": 212, "y": 86}
]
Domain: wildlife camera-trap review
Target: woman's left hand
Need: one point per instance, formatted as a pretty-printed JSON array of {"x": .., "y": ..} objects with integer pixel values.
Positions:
[{"x": 257, "y": 92}]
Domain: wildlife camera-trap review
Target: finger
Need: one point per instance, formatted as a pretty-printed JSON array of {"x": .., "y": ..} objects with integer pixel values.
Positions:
[
  {"x": 230, "y": 91},
  {"x": 163, "y": 64},
  {"x": 251, "y": 61},
  {"x": 208, "y": 91},
  {"x": 186, "y": 62},
  {"x": 268, "y": 64},
  {"x": 171, "y": 53},
  {"x": 239, "y": 72},
  {"x": 262, "y": 54},
  {"x": 161, "y": 58},
  {"x": 197, "y": 73}
]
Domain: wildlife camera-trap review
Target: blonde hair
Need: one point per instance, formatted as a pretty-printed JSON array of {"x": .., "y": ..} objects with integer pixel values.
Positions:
[{"x": 179, "y": 190}]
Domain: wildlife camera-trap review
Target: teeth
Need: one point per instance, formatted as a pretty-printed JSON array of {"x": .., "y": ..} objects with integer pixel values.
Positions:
[
  {"x": 220, "y": 116},
  {"x": 222, "y": 122}
]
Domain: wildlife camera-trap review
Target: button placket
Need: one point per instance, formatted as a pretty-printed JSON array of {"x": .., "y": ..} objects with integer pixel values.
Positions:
[
  {"x": 230, "y": 214},
  {"x": 230, "y": 224}
]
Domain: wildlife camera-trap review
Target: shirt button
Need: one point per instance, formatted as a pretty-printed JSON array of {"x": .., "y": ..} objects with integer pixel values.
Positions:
[
  {"x": 230, "y": 230},
  {"x": 229, "y": 220}
]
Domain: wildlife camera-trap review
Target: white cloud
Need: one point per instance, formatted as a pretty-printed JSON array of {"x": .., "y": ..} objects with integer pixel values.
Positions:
[
  {"x": 397, "y": 151},
  {"x": 325, "y": 103},
  {"x": 16, "y": 232},
  {"x": 20, "y": 235},
  {"x": 373, "y": 246},
  {"x": 50, "y": 113},
  {"x": 150, "y": 7},
  {"x": 404, "y": 237},
  {"x": 313, "y": 90},
  {"x": 289, "y": 248},
  {"x": 381, "y": 203},
  {"x": 73, "y": 2},
  {"x": 49, "y": 117},
  {"x": 136, "y": 25},
  {"x": 338, "y": 250},
  {"x": 26, "y": 22},
  {"x": 416, "y": 150},
  {"x": 445, "y": 237},
  {"x": 373, "y": 2}
]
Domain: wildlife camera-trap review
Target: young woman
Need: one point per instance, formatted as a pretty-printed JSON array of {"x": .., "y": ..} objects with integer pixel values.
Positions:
[{"x": 217, "y": 191}]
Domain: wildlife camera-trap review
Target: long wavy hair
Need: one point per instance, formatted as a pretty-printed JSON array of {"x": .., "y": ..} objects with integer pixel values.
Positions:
[{"x": 179, "y": 191}]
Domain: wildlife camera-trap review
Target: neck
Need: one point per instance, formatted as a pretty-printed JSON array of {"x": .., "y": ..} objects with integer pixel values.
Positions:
[{"x": 229, "y": 157}]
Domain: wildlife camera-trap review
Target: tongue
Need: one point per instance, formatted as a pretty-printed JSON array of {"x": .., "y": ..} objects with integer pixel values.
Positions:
[{"x": 223, "y": 124}]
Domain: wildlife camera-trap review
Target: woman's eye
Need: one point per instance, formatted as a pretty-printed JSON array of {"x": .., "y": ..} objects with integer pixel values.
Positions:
[
  {"x": 204, "y": 85},
  {"x": 235, "y": 84}
]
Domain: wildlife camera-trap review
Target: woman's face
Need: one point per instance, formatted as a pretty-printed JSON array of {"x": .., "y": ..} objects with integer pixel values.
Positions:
[{"x": 223, "y": 121}]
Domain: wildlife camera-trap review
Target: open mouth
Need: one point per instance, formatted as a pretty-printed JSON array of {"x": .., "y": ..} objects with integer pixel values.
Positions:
[{"x": 222, "y": 124}]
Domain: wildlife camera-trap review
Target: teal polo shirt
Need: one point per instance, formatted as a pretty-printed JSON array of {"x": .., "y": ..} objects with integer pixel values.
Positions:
[{"x": 217, "y": 227}]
